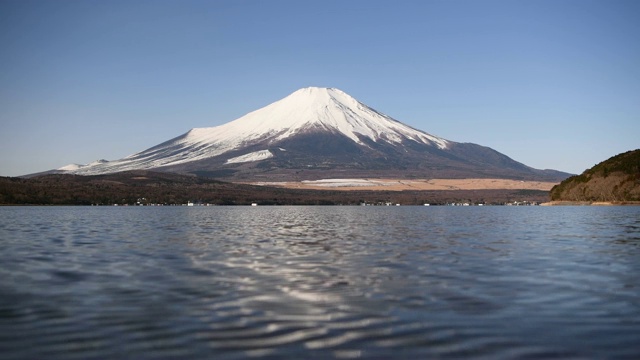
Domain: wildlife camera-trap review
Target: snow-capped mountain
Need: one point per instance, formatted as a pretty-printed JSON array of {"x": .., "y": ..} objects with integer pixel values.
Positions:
[{"x": 313, "y": 133}]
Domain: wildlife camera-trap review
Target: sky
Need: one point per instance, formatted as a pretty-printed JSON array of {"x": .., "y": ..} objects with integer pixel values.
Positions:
[{"x": 554, "y": 84}]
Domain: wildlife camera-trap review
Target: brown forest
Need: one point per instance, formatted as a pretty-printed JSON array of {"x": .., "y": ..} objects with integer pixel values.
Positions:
[
  {"x": 144, "y": 187},
  {"x": 614, "y": 180}
]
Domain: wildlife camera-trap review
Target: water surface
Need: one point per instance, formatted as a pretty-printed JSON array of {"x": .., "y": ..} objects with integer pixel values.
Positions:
[{"x": 319, "y": 282}]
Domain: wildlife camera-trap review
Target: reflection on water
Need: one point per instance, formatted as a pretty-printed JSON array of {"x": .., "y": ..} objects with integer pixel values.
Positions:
[{"x": 319, "y": 282}]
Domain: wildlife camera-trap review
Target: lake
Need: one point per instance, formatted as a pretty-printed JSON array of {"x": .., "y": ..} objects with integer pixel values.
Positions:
[{"x": 319, "y": 282}]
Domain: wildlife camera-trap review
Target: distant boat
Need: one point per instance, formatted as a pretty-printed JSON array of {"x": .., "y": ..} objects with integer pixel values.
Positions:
[
  {"x": 254, "y": 204},
  {"x": 189, "y": 203}
]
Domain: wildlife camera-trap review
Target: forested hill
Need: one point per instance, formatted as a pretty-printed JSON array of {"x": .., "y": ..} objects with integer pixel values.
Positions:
[{"x": 614, "y": 180}]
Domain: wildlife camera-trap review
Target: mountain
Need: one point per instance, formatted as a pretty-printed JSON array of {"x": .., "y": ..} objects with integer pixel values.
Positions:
[
  {"x": 318, "y": 133},
  {"x": 614, "y": 180}
]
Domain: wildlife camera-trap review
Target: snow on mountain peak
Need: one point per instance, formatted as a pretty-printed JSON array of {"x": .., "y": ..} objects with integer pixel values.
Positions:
[
  {"x": 308, "y": 108},
  {"x": 305, "y": 110}
]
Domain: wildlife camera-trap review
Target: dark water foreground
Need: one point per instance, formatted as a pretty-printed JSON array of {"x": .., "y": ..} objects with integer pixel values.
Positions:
[{"x": 320, "y": 282}]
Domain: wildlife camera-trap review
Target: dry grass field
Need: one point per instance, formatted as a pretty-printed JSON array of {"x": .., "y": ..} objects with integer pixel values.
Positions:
[{"x": 414, "y": 184}]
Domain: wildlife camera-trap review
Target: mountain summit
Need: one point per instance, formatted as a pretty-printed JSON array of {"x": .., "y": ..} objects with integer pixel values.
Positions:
[
  {"x": 317, "y": 133},
  {"x": 321, "y": 109}
]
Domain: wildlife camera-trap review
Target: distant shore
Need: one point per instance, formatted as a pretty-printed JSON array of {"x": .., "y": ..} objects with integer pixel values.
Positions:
[
  {"x": 412, "y": 184},
  {"x": 590, "y": 203}
]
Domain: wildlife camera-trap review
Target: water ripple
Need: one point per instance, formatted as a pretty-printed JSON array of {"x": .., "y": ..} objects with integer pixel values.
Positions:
[{"x": 319, "y": 282}]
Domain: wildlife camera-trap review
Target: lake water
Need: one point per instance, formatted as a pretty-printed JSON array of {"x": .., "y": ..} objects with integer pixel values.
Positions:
[{"x": 319, "y": 282}]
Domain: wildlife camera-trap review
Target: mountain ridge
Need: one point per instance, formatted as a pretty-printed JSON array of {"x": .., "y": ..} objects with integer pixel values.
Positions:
[{"x": 318, "y": 132}]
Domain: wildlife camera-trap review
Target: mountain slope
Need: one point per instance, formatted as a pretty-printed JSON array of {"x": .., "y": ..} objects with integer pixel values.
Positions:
[
  {"x": 616, "y": 179},
  {"x": 314, "y": 133}
]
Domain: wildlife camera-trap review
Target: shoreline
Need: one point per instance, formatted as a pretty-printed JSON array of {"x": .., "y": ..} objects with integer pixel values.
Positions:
[{"x": 591, "y": 203}]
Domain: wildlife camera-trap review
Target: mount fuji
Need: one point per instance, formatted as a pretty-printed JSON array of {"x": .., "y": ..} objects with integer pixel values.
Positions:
[{"x": 318, "y": 133}]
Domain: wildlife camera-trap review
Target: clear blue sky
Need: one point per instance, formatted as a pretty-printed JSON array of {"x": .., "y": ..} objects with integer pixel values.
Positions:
[{"x": 553, "y": 84}]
